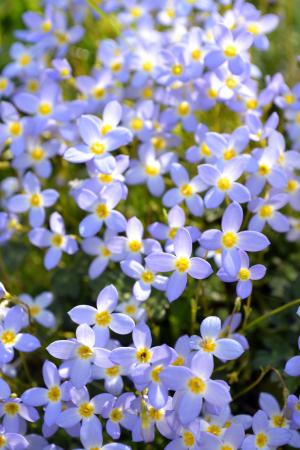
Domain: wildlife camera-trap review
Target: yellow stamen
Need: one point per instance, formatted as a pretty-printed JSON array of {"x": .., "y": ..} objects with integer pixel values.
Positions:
[{"x": 103, "y": 319}]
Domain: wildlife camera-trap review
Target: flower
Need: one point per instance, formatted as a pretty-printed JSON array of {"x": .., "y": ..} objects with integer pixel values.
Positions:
[
  {"x": 211, "y": 343},
  {"x": 103, "y": 318},
  {"x": 51, "y": 397},
  {"x": 37, "y": 308},
  {"x": 192, "y": 385},
  {"x": 181, "y": 264},
  {"x": 10, "y": 336},
  {"x": 56, "y": 239},
  {"x": 264, "y": 436},
  {"x": 33, "y": 200},
  {"x": 80, "y": 353},
  {"x": 231, "y": 240}
]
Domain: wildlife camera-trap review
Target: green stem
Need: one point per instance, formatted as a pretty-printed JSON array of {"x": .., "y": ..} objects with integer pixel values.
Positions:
[
  {"x": 272, "y": 313},
  {"x": 255, "y": 383},
  {"x": 103, "y": 15}
]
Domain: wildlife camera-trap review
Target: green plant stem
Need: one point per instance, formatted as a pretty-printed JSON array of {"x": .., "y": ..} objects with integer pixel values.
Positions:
[
  {"x": 95, "y": 7},
  {"x": 254, "y": 384},
  {"x": 272, "y": 313}
]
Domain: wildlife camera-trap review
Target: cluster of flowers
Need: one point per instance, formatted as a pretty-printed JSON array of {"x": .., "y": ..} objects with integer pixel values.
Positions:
[
  {"x": 151, "y": 86},
  {"x": 173, "y": 391}
]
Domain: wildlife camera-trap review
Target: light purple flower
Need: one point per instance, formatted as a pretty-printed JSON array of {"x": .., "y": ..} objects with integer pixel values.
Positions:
[
  {"x": 181, "y": 264},
  {"x": 231, "y": 240},
  {"x": 33, "y": 200},
  {"x": 211, "y": 342},
  {"x": 103, "y": 318},
  {"x": 56, "y": 239}
]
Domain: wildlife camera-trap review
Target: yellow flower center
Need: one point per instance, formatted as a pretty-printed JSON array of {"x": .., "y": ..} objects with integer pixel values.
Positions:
[
  {"x": 34, "y": 310},
  {"x": 226, "y": 447},
  {"x": 102, "y": 211},
  {"x": 205, "y": 150},
  {"x": 244, "y": 274},
  {"x": 98, "y": 92},
  {"x": 208, "y": 344},
  {"x": 253, "y": 28},
  {"x": 45, "y": 108},
  {"x": 152, "y": 169},
  {"x": 186, "y": 190},
  {"x": 11, "y": 408},
  {"x": 54, "y": 394},
  {"x": 35, "y": 200},
  {"x": 147, "y": 66},
  {"x": 113, "y": 371},
  {"x": 292, "y": 185},
  {"x": 106, "y": 253},
  {"x": 64, "y": 72},
  {"x": 172, "y": 233},
  {"x": 86, "y": 410},
  {"x": 261, "y": 440},
  {"x": 84, "y": 352},
  {"x": 155, "y": 374},
  {"x": 147, "y": 92},
  {"x": 224, "y": 184},
  {"x": 46, "y": 26},
  {"x": 188, "y": 439},
  {"x": 278, "y": 421},
  {"x": 135, "y": 246},
  {"x": 147, "y": 277},
  {"x": 116, "y": 415},
  {"x": 130, "y": 309},
  {"x": 251, "y": 103},
  {"x": 15, "y": 128},
  {"x": 61, "y": 37},
  {"x": 155, "y": 414},
  {"x": 116, "y": 66},
  {"x": 177, "y": 70},
  {"x": 263, "y": 170},
  {"x": 212, "y": 93},
  {"x": 214, "y": 429},
  {"x": 106, "y": 178},
  {"x": 137, "y": 124},
  {"x": 229, "y": 239},
  {"x": 25, "y": 59},
  {"x": 231, "y": 82},
  {"x": 158, "y": 142},
  {"x": 183, "y": 109},
  {"x": 32, "y": 85},
  {"x": 171, "y": 13},
  {"x": 37, "y": 154},
  {"x": 57, "y": 240},
  {"x": 182, "y": 264},
  {"x": 106, "y": 128},
  {"x": 143, "y": 355},
  {"x": 97, "y": 148},
  {"x": 3, "y": 83},
  {"x": 179, "y": 361},
  {"x": 103, "y": 319},
  {"x": 266, "y": 211},
  {"x": 196, "y": 54},
  {"x": 230, "y": 51},
  {"x": 136, "y": 12},
  {"x": 289, "y": 98},
  {"x": 229, "y": 154},
  {"x": 2, "y": 441},
  {"x": 196, "y": 385}
]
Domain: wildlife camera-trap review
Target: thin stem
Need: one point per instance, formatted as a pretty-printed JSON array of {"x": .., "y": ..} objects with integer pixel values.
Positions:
[
  {"x": 272, "y": 313},
  {"x": 255, "y": 383},
  {"x": 103, "y": 15}
]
